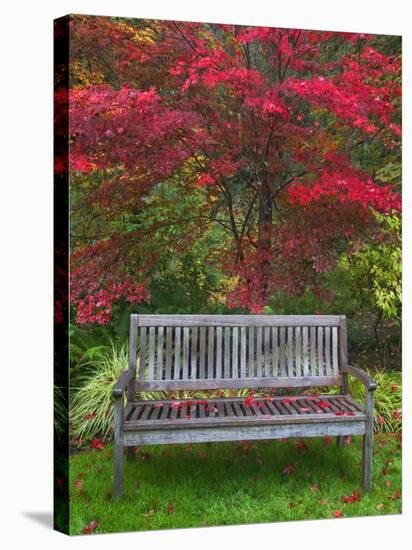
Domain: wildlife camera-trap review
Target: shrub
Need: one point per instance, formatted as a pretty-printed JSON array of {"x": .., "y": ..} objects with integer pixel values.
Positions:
[
  {"x": 388, "y": 400},
  {"x": 92, "y": 405}
]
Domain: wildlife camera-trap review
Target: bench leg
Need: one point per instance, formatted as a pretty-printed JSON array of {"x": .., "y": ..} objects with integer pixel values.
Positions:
[
  {"x": 340, "y": 441},
  {"x": 367, "y": 460},
  {"x": 118, "y": 449}
]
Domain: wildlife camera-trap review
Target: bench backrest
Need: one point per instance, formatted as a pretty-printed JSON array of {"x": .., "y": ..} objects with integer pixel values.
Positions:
[{"x": 177, "y": 352}]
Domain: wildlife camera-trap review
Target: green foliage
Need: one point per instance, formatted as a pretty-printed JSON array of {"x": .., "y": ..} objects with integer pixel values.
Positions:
[
  {"x": 374, "y": 271},
  {"x": 91, "y": 411},
  {"x": 388, "y": 400},
  {"x": 60, "y": 415}
]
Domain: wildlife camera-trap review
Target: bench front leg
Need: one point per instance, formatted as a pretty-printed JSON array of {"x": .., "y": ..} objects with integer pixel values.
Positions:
[
  {"x": 118, "y": 447},
  {"x": 368, "y": 441}
]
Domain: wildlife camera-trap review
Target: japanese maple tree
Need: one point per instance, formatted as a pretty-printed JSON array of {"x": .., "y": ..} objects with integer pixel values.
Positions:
[{"x": 265, "y": 123}]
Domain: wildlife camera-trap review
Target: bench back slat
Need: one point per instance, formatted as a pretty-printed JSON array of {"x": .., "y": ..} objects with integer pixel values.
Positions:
[{"x": 235, "y": 351}]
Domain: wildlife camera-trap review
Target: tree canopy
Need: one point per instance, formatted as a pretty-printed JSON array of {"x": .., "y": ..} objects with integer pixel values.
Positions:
[{"x": 264, "y": 145}]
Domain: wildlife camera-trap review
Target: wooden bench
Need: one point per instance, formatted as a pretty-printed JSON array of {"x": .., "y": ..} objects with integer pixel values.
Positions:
[{"x": 209, "y": 352}]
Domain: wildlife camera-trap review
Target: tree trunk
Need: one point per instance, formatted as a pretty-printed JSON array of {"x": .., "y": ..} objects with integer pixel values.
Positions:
[{"x": 264, "y": 241}]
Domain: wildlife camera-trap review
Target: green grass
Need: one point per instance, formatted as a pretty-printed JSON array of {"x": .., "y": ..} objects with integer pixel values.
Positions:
[{"x": 232, "y": 483}]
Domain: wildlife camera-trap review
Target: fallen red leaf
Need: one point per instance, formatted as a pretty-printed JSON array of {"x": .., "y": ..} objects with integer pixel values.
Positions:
[
  {"x": 170, "y": 509},
  {"x": 289, "y": 469},
  {"x": 91, "y": 527},
  {"x": 314, "y": 488},
  {"x": 305, "y": 409},
  {"x": 249, "y": 401},
  {"x": 350, "y": 413},
  {"x": 323, "y": 404},
  {"x": 97, "y": 444},
  {"x": 89, "y": 416},
  {"x": 339, "y": 413},
  {"x": 355, "y": 497},
  {"x": 78, "y": 483},
  {"x": 301, "y": 445},
  {"x": 327, "y": 440},
  {"x": 337, "y": 514}
]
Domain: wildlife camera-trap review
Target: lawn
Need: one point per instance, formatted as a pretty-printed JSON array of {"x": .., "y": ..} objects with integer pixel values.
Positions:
[{"x": 233, "y": 483}]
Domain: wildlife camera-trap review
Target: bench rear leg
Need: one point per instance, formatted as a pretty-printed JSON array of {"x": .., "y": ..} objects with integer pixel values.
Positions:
[{"x": 340, "y": 441}]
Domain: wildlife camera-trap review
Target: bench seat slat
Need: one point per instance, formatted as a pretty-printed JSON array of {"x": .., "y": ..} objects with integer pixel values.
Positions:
[{"x": 233, "y": 411}]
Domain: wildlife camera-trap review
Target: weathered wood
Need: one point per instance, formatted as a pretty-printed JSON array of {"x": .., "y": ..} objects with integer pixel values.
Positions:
[
  {"x": 327, "y": 351},
  {"x": 320, "y": 352},
  {"x": 131, "y": 389},
  {"x": 219, "y": 352},
  {"x": 368, "y": 441},
  {"x": 235, "y": 348},
  {"x": 152, "y": 335},
  {"x": 228, "y": 383},
  {"x": 282, "y": 351},
  {"x": 267, "y": 350},
  {"x": 210, "y": 352},
  {"x": 313, "y": 351},
  {"x": 275, "y": 351},
  {"x": 297, "y": 351},
  {"x": 227, "y": 353},
  {"x": 178, "y": 336},
  {"x": 335, "y": 350},
  {"x": 236, "y": 433},
  {"x": 238, "y": 320},
  {"x": 193, "y": 355},
  {"x": 122, "y": 383},
  {"x": 202, "y": 351},
  {"x": 251, "y": 352},
  {"x": 290, "y": 351},
  {"x": 259, "y": 352},
  {"x": 362, "y": 376},
  {"x": 305, "y": 351},
  {"x": 185, "y": 370},
  {"x": 343, "y": 352},
  {"x": 168, "y": 364},
  {"x": 243, "y": 352},
  {"x": 160, "y": 353},
  {"x": 142, "y": 362},
  {"x": 118, "y": 448}
]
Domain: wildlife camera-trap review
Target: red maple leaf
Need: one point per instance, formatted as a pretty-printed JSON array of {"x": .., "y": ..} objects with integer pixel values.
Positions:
[
  {"x": 249, "y": 401},
  {"x": 288, "y": 469},
  {"x": 97, "y": 444},
  {"x": 355, "y": 497},
  {"x": 323, "y": 404},
  {"x": 94, "y": 524}
]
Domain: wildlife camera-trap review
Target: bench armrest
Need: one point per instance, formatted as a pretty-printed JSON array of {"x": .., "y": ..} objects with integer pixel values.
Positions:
[
  {"x": 362, "y": 376},
  {"x": 121, "y": 385}
]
